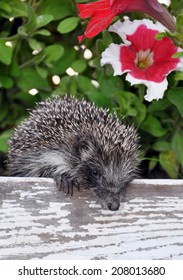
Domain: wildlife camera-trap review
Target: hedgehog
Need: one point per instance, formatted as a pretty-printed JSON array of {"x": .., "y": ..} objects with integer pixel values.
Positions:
[{"x": 77, "y": 144}]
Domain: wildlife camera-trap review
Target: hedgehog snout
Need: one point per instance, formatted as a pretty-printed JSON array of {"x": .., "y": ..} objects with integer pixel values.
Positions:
[
  {"x": 114, "y": 205},
  {"x": 113, "y": 200},
  {"x": 111, "y": 197}
]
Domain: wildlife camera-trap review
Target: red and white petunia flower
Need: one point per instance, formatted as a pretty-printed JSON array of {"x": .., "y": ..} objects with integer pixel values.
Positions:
[
  {"x": 102, "y": 13},
  {"x": 145, "y": 60}
]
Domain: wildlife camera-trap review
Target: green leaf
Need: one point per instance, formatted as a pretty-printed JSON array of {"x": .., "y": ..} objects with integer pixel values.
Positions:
[
  {"x": 177, "y": 55},
  {"x": 84, "y": 83},
  {"x": 58, "y": 8},
  {"x": 178, "y": 76},
  {"x": 175, "y": 96},
  {"x": 79, "y": 65},
  {"x": 6, "y": 81},
  {"x": 169, "y": 163},
  {"x": 42, "y": 72},
  {"x": 5, "y": 7},
  {"x": 4, "y": 110},
  {"x": 177, "y": 145},
  {"x": 61, "y": 65},
  {"x": 82, "y": 1},
  {"x": 95, "y": 63},
  {"x": 35, "y": 45},
  {"x": 141, "y": 112},
  {"x": 132, "y": 112},
  {"x": 31, "y": 23},
  {"x": 85, "y": 87},
  {"x": 18, "y": 9},
  {"x": 31, "y": 79},
  {"x": 4, "y": 140},
  {"x": 5, "y": 53},
  {"x": 152, "y": 163},
  {"x": 100, "y": 47},
  {"x": 176, "y": 5},
  {"x": 179, "y": 22},
  {"x": 22, "y": 31},
  {"x": 54, "y": 52},
  {"x": 159, "y": 105},
  {"x": 43, "y": 20},
  {"x": 67, "y": 25},
  {"x": 160, "y": 35},
  {"x": 107, "y": 38},
  {"x": 27, "y": 99},
  {"x": 153, "y": 126},
  {"x": 109, "y": 84},
  {"x": 14, "y": 69},
  {"x": 132, "y": 106},
  {"x": 68, "y": 84},
  {"x": 161, "y": 146},
  {"x": 43, "y": 32}
]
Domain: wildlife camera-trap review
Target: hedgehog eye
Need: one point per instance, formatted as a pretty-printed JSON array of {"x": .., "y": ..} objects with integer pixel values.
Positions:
[{"x": 95, "y": 173}]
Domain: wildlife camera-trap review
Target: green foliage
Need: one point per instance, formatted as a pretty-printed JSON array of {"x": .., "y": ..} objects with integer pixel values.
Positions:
[
  {"x": 59, "y": 9},
  {"x": 175, "y": 95},
  {"x": 67, "y": 25},
  {"x": 169, "y": 163},
  {"x": 38, "y": 40}
]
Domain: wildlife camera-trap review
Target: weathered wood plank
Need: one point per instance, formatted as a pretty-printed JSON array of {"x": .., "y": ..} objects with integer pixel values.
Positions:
[{"x": 37, "y": 221}]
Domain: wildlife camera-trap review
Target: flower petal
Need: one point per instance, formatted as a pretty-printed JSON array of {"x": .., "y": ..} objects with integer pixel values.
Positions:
[
  {"x": 87, "y": 10},
  {"x": 154, "y": 90},
  {"x": 101, "y": 16},
  {"x": 98, "y": 23},
  {"x": 128, "y": 27},
  {"x": 111, "y": 56}
]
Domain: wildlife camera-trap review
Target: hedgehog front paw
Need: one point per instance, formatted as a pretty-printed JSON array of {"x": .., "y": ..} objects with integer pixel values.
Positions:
[{"x": 67, "y": 185}]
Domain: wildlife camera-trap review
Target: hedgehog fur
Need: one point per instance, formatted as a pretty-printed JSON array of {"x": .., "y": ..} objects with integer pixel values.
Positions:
[{"x": 76, "y": 144}]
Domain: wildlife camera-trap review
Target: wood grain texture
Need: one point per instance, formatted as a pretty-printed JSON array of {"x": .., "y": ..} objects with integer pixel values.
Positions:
[{"x": 38, "y": 222}]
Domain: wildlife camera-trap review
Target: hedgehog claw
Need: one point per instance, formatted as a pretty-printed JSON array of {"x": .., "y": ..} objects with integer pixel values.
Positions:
[
  {"x": 76, "y": 184},
  {"x": 59, "y": 184},
  {"x": 66, "y": 185}
]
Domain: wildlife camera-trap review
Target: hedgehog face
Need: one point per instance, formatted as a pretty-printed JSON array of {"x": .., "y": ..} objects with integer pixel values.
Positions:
[
  {"x": 106, "y": 181},
  {"x": 107, "y": 174}
]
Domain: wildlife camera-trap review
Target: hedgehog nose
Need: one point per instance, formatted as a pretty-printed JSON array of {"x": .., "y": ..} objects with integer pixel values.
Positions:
[{"x": 114, "y": 206}]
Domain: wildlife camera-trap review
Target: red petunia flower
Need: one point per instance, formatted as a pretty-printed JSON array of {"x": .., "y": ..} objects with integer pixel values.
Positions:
[
  {"x": 102, "y": 13},
  {"x": 145, "y": 60},
  {"x": 101, "y": 16}
]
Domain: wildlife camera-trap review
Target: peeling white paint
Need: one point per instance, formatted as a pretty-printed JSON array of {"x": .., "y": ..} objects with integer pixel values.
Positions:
[{"x": 38, "y": 222}]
